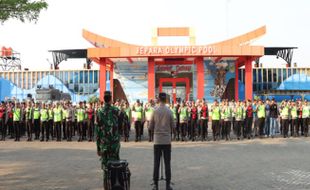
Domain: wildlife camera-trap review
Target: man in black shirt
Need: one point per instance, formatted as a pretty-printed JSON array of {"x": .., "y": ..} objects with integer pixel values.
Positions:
[{"x": 273, "y": 111}]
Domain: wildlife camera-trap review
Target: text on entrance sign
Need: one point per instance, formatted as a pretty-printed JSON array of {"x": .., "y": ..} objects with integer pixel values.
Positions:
[{"x": 175, "y": 50}]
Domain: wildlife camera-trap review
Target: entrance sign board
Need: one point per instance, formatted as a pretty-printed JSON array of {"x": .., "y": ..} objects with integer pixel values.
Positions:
[{"x": 175, "y": 50}]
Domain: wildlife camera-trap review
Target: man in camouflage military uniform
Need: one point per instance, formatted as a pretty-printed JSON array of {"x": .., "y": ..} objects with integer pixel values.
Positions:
[{"x": 107, "y": 134}]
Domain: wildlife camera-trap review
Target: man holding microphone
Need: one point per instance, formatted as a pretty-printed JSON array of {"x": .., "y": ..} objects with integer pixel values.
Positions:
[{"x": 162, "y": 123}]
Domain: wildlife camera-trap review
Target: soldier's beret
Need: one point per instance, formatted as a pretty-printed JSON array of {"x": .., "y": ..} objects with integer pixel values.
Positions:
[{"x": 107, "y": 93}]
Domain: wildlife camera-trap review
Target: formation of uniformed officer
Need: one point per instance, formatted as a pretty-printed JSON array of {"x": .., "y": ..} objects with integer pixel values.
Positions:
[
  {"x": 64, "y": 120},
  {"x": 45, "y": 120}
]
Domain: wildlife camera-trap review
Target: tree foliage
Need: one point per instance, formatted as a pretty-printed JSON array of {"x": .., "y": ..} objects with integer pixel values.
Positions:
[{"x": 21, "y": 9}]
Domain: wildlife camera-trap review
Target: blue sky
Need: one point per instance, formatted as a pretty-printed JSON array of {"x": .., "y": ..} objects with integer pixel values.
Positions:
[{"x": 132, "y": 21}]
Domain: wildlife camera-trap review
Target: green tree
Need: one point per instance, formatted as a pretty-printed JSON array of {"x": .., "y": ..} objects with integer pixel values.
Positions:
[{"x": 21, "y": 9}]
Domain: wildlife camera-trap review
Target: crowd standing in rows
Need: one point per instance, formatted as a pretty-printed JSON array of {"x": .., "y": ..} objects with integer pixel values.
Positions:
[{"x": 63, "y": 120}]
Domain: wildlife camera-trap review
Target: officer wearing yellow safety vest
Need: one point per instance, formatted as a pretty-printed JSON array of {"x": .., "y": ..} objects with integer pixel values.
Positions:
[
  {"x": 44, "y": 122},
  {"x": 284, "y": 113},
  {"x": 36, "y": 121},
  {"x": 80, "y": 121},
  {"x": 137, "y": 115},
  {"x": 294, "y": 129},
  {"x": 57, "y": 120},
  {"x": 261, "y": 114},
  {"x": 239, "y": 111},
  {"x": 175, "y": 131},
  {"x": 183, "y": 114},
  {"x": 227, "y": 111},
  {"x": 16, "y": 120},
  {"x": 305, "y": 117},
  {"x": 29, "y": 117},
  {"x": 50, "y": 132},
  {"x": 215, "y": 116},
  {"x": 64, "y": 123}
]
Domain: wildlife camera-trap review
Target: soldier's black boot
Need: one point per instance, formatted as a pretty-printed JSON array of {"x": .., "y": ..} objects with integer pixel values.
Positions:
[
  {"x": 155, "y": 186},
  {"x": 168, "y": 187}
]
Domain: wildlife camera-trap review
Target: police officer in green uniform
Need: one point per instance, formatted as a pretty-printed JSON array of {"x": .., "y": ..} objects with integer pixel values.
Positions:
[
  {"x": 293, "y": 109},
  {"x": 183, "y": 120},
  {"x": 227, "y": 120},
  {"x": 29, "y": 117},
  {"x": 137, "y": 109},
  {"x": 57, "y": 111},
  {"x": 261, "y": 114},
  {"x": 126, "y": 125},
  {"x": 16, "y": 120},
  {"x": 305, "y": 118},
  {"x": 285, "y": 118},
  {"x": 64, "y": 123},
  {"x": 80, "y": 121},
  {"x": 50, "y": 122},
  {"x": 176, "y": 133},
  {"x": 44, "y": 122},
  {"x": 107, "y": 134},
  {"x": 216, "y": 116},
  {"x": 36, "y": 121},
  {"x": 238, "y": 119}
]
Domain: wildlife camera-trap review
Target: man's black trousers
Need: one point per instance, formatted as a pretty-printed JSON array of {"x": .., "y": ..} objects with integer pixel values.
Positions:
[{"x": 165, "y": 151}]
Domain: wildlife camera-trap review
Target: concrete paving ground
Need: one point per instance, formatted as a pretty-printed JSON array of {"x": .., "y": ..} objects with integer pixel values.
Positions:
[{"x": 260, "y": 164}]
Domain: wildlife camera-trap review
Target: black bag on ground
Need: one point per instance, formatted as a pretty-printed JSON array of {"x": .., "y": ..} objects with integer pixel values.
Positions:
[{"x": 117, "y": 175}]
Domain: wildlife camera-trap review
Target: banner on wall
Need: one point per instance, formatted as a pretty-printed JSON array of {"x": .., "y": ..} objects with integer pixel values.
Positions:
[{"x": 174, "y": 68}]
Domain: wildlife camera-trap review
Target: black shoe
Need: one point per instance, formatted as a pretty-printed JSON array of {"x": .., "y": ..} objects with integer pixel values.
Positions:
[
  {"x": 41, "y": 140},
  {"x": 168, "y": 187},
  {"x": 155, "y": 186},
  {"x": 46, "y": 140}
]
